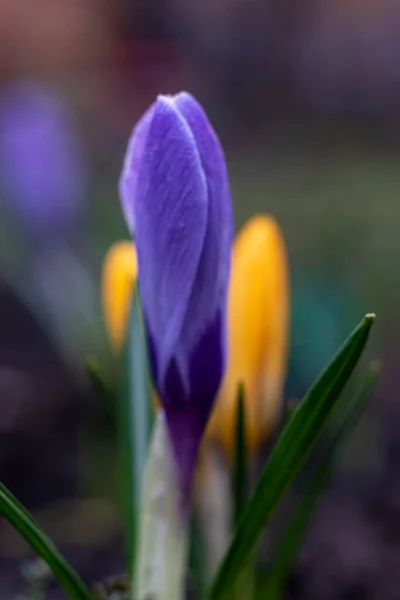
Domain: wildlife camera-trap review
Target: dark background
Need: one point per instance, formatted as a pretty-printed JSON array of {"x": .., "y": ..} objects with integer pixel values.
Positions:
[{"x": 305, "y": 95}]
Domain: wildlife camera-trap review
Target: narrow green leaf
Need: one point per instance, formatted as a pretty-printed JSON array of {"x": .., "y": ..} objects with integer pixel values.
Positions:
[
  {"x": 98, "y": 384},
  {"x": 290, "y": 408},
  {"x": 19, "y": 518},
  {"x": 289, "y": 544},
  {"x": 134, "y": 425},
  {"x": 197, "y": 560},
  {"x": 6, "y": 492},
  {"x": 240, "y": 464},
  {"x": 289, "y": 454},
  {"x": 102, "y": 392}
]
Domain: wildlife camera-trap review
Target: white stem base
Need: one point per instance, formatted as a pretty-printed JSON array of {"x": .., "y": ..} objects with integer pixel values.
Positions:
[{"x": 162, "y": 544}]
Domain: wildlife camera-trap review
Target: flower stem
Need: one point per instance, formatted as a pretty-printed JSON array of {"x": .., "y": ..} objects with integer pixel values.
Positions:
[{"x": 163, "y": 530}]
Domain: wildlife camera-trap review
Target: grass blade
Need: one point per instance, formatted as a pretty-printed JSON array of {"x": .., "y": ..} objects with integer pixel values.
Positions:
[
  {"x": 240, "y": 464},
  {"x": 134, "y": 425},
  {"x": 197, "y": 560},
  {"x": 291, "y": 540},
  {"x": 245, "y": 584},
  {"x": 99, "y": 386},
  {"x": 290, "y": 452},
  {"x": 20, "y": 519}
]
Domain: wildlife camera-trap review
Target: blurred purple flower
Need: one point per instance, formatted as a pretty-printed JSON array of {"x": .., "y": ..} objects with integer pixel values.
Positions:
[
  {"x": 42, "y": 166},
  {"x": 176, "y": 200}
]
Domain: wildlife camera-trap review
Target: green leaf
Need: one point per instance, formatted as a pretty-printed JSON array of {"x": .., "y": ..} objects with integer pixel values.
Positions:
[
  {"x": 97, "y": 382},
  {"x": 290, "y": 542},
  {"x": 290, "y": 452},
  {"x": 134, "y": 425},
  {"x": 240, "y": 464},
  {"x": 197, "y": 560},
  {"x": 290, "y": 408},
  {"x": 19, "y": 518},
  {"x": 101, "y": 389}
]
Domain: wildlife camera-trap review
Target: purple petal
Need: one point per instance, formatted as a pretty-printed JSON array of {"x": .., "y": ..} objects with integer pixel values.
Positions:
[
  {"x": 209, "y": 295},
  {"x": 186, "y": 431},
  {"x": 130, "y": 172},
  {"x": 175, "y": 190},
  {"x": 170, "y": 210},
  {"x": 187, "y": 421},
  {"x": 203, "y": 339},
  {"x": 41, "y": 160}
]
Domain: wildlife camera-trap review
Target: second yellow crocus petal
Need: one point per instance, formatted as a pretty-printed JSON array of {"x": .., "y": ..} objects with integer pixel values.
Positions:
[
  {"x": 120, "y": 271},
  {"x": 258, "y": 319}
]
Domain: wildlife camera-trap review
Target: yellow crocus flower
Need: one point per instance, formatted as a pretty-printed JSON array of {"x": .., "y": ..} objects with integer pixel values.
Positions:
[
  {"x": 258, "y": 321},
  {"x": 120, "y": 270}
]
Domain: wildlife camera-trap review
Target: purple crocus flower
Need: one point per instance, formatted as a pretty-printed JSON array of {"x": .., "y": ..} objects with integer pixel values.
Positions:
[
  {"x": 176, "y": 200},
  {"x": 42, "y": 166}
]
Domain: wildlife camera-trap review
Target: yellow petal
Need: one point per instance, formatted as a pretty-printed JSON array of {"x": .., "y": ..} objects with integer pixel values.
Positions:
[
  {"x": 120, "y": 270},
  {"x": 258, "y": 319}
]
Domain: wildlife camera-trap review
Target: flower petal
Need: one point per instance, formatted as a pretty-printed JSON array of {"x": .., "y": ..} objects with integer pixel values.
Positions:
[
  {"x": 209, "y": 296},
  {"x": 130, "y": 171},
  {"x": 42, "y": 163},
  {"x": 118, "y": 281},
  {"x": 187, "y": 421},
  {"x": 258, "y": 334},
  {"x": 170, "y": 211}
]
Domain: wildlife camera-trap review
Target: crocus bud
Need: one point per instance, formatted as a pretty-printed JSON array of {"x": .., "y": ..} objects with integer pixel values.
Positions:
[
  {"x": 258, "y": 335},
  {"x": 42, "y": 166},
  {"x": 118, "y": 282},
  {"x": 176, "y": 199}
]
